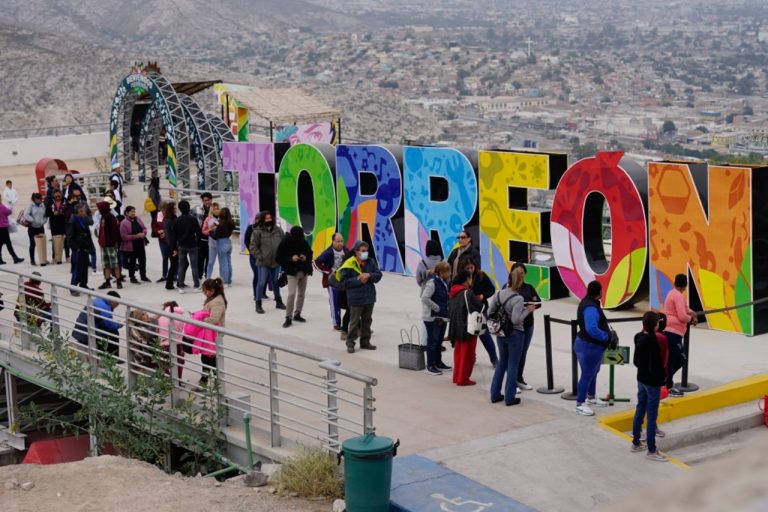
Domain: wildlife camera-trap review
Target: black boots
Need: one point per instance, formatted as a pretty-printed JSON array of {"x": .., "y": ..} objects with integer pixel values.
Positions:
[{"x": 259, "y": 309}]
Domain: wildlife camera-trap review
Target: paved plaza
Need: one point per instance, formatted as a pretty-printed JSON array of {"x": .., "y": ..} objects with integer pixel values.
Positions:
[{"x": 540, "y": 453}]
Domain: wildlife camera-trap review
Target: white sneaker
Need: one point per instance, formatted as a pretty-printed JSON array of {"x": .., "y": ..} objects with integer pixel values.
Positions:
[
  {"x": 519, "y": 390},
  {"x": 659, "y": 433},
  {"x": 656, "y": 456},
  {"x": 597, "y": 402},
  {"x": 637, "y": 448},
  {"x": 524, "y": 385},
  {"x": 584, "y": 410}
]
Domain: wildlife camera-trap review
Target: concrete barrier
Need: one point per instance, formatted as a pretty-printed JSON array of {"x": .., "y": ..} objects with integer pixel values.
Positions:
[{"x": 66, "y": 147}]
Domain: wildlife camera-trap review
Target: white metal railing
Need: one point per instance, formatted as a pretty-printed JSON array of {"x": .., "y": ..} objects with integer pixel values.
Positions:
[
  {"x": 42, "y": 131},
  {"x": 225, "y": 198},
  {"x": 292, "y": 396}
]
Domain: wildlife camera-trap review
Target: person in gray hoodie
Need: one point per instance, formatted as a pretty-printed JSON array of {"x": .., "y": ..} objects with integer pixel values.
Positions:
[
  {"x": 426, "y": 267},
  {"x": 265, "y": 239},
  {"x": 36, "y": 217},
  {"x": 511, "y": 340}
]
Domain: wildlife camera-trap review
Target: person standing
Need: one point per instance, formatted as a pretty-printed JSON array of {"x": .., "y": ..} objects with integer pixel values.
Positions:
[
  {"x": 133, "y": 235},
  {"x": 434, "y": 314},
  {"x": 57, "y": 221},
  {"x": 530, "y": 296},
  {"x": 81, "y": 244},
  {"x": 330, "y": 260},
  {"x": 5, "y": 235},
  {"x": 109, "y": 241},
  {"x": 222, "y": 234},
  {"x": 424, "y": 270},
  {"x": 512, "y": 338},
  {"x": 483, "y": 288},
  {"x": 36, "y": 218},
  {"x": 52, "y": 186},
  {"x": 679, "y": 315},
  {"x": 74, "y": 202},
  {"x": 169, "y": 217},
  {"x": 69, "y": 187},
  {"x": 216, "y": 305},
  {"x": 10, "y": 196},
  {"x": 264, "y": 243},
  {"x": 159, "y": 232},
  {"x": 295, "y": 256},
  {"x": 186, "y": 232},
  {"x": 251, "y": 258},
  {"x": 465, "y": 248},
  {"x": 116, "y": 181},
  {"x": 202, "y": 212},
  {"x": 358, "y": 275},
  {"x": 462, "y": 302},
  {"x": 209, "y": 225},
  {"x": 153, "y": 193},
  {"x": 591, "y": 342},
  {"x": 650, "y": 378}
]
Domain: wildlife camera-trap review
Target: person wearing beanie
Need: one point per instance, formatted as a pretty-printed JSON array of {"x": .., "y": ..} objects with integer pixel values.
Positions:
[
  {"x": 295, "y": 256},
  {"x": 425, "y": 269}
]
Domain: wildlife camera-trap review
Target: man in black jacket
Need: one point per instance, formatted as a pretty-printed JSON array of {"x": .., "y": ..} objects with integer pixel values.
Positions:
[
  {"x": 295, "y": 256},
  {"x": 650, "y": 377},
  {"x": 186, "y": 238}
]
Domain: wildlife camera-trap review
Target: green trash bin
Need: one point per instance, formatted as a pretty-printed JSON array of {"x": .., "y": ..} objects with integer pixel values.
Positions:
[{"x": 368, "y": 472}]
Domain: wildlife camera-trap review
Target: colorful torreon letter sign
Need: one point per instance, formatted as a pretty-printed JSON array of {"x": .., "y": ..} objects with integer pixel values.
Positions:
[{"x": 690, "y": 218}]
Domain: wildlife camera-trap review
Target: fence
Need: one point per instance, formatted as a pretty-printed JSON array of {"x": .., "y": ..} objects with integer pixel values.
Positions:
[
  {"x": 41, "y": 131},
  {"x": 290, "y": 395},
  {"x": 228, "y": 199}
]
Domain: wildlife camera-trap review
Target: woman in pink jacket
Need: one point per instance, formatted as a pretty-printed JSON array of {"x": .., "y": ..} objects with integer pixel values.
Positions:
[
  {"x": 679, "y": 315},
  {"x": 214, "y": 312},
  {"x": 5, "y": 237}
]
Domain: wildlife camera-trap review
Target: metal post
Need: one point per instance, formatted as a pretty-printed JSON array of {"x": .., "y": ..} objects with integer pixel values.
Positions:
[
  {"x": 368, "y": 409},
  {"x": 24, "y": 317},
  {"x": 55, "y": 326},
  {"x": 574, "y": 365},
  {"x": 12, "y": 401},
  {"x": 130, "y": 376},
  {"x": 550, "y": 389},
  {"x": 248, "y": 446},
  {"x": 92, "y": 348},
  {"x": 333, "y": 408},
  {"x": 338, "y": 127},
  {"x": 173, "y": 348},
  {"x": 274, "y": 399},
  {"x": 684, "y": 384}
]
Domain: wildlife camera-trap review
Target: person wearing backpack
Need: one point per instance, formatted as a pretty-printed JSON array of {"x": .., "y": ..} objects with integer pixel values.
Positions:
[
  {"x": 509, "y": 306},
  {"x": 434, "y": 313},
  {"x": 651, "y": 376}
]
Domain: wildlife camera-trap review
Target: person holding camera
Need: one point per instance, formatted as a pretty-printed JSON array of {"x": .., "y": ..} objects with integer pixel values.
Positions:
[{"x": 592, "y": 340}]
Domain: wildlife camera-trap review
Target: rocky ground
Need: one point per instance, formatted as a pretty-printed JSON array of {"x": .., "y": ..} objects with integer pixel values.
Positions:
[{"x": 114, "y": 483}]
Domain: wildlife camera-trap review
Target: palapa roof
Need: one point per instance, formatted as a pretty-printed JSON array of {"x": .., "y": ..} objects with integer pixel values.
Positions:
[{"x": 284, "y": 106}]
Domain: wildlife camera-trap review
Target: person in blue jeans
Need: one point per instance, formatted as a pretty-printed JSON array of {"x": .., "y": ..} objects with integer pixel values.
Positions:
[
  {"x": 265, "y": 238},
  {"x": 530, "y": 296},
  {"x": 221, "y": 235},
  {"x": 434, "y": 313},
  {"x": 591, "y": 341},
  {"x": 651, "y": 375},
  {"x": 511, "y": 340}
]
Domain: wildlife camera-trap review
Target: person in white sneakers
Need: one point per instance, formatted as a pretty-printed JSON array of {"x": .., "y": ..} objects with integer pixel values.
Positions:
[
  {"x": 591, "y": 341},
  {"x": 650, "y": 377},
  {"x": 10, "y": 196}
]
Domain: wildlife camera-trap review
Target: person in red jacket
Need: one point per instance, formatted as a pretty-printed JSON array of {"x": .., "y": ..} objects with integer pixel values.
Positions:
[{"x": 109, "y": 240}]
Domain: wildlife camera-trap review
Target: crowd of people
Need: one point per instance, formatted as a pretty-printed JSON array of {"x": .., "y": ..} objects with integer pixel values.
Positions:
[{"x": 454, "y": 291}]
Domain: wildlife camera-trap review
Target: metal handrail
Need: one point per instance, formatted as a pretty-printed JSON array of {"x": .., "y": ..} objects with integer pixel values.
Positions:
[{"x": 304, "y": 401}]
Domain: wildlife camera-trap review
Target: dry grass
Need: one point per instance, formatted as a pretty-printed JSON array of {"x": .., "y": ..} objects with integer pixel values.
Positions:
[{"x": 313, "y": 473}]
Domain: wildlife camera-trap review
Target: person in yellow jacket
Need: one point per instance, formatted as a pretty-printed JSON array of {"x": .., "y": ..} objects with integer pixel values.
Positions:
[{"x": 358, "y": 275}]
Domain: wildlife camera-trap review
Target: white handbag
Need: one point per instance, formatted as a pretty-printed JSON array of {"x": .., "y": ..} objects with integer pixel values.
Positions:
[{"x": 475, "y": 319}]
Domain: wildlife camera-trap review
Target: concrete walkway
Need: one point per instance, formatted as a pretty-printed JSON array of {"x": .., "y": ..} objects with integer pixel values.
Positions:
[{"x": 540, "y": 453}]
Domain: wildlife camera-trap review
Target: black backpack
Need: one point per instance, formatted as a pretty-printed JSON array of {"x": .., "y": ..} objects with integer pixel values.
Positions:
[{"x": 499, "y": 323}]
